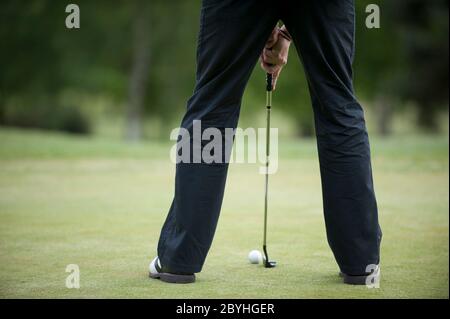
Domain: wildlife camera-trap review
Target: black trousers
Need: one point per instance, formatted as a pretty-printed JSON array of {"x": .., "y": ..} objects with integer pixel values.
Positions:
[{"x": 232, "y": 35}]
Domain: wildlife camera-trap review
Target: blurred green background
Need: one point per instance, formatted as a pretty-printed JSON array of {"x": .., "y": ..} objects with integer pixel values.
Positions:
[
  {"x": 128, "y": 71},
  {"x": 85, "y": 175}
]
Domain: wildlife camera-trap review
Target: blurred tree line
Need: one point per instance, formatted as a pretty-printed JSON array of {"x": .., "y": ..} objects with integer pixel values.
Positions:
[{"x": 140, "y": 54}]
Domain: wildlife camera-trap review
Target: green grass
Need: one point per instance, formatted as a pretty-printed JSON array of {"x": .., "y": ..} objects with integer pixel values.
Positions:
[{"x": 100, "y": 204}]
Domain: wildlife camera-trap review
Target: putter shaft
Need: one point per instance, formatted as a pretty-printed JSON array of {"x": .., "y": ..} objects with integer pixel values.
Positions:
[
  {"x": 267, "y": 263},
  {"x": 268, "y": 107}
]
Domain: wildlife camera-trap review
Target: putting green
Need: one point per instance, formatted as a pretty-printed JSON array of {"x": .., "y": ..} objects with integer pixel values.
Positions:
[{"x": 100, "y": 204}]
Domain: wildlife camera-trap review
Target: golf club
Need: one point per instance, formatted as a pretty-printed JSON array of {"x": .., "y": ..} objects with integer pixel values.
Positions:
[{"x": 267, "y": 263}]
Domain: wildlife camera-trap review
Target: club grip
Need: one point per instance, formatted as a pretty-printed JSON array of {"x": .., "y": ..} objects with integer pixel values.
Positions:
[{"x": 269, "y": 82}]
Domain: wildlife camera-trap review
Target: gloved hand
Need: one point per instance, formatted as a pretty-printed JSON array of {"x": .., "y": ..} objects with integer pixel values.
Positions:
[{"x": 275, "y": 53}]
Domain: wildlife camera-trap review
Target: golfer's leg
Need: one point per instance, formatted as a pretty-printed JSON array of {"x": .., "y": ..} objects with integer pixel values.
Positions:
[
  {"x": 232, "y": 35},
  {"x": 323, "y": 32}
]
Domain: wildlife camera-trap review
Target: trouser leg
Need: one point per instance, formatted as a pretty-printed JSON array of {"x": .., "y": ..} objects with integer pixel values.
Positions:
[
  {"x": 323, "y": 32},
  {"x": 232, "y": 35}
]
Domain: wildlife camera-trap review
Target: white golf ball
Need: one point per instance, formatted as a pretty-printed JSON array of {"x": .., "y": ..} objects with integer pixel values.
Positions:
[{"x": 255, "y": 257}]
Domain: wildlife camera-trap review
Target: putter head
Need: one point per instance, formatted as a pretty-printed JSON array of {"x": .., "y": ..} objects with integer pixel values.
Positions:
[{"x": 267, "y": 262}]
